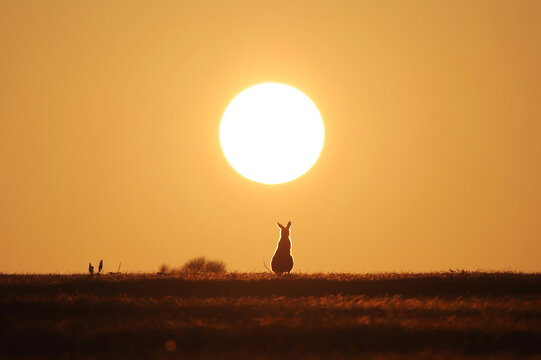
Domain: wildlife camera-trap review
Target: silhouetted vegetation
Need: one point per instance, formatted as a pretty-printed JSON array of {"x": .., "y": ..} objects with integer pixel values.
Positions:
[
  {"x": 208, "y": 315},
  {"x": 164, "y": 268},
  {"x": 200, "y": 264},
  {"x": 197, "y": 265}
]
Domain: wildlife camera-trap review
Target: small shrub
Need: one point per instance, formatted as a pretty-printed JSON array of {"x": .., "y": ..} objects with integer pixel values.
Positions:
[
  {"x": 217, "y": 267},
  {"x": 200, "y": 264},
  {"x": 164, "y": 268},
  {"x": 194, "y": 265}
]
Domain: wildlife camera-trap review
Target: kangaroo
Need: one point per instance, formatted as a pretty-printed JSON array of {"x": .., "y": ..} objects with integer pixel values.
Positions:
[{"x": 282, "y": 261}]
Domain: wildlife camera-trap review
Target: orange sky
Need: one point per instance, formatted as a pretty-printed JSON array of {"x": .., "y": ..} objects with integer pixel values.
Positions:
[{"x": 109, "y": 147}]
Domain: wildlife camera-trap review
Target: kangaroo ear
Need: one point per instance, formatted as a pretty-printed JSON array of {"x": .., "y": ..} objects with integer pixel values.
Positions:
[
  {"x": 288, "y": 225},
  {"x": 280, "y": 225}
]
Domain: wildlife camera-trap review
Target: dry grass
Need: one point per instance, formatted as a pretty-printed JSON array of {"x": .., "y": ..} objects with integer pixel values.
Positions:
[{"x": 439, "y": 315}]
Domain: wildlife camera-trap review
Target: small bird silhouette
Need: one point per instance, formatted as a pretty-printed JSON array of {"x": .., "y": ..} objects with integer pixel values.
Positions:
[{"x": 90, "y": 269}]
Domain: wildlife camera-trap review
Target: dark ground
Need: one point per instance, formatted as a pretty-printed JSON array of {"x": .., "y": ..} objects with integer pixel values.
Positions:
[{"x": 438, "y": 315}]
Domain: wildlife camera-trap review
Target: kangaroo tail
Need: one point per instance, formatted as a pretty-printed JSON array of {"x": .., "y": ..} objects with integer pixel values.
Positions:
[{"x": 266, "y": 266}]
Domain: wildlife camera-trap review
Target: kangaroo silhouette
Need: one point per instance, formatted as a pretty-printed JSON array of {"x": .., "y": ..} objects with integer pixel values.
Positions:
[{"x": 282, "y": 261}]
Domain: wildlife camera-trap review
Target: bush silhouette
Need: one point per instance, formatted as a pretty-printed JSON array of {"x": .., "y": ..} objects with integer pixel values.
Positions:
[
  {"x": 200, "y": 264},
  {"x": 164, "y": 268},
  {"x": 196, "y": 265},
  {"x": 217, "y": 267}
]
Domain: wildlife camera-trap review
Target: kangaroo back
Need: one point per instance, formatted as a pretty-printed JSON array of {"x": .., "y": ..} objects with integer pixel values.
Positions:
[{"x": 282, "y": 261}]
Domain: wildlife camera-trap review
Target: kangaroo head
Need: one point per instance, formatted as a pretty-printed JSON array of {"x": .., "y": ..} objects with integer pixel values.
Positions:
[{"x": 284, "y": 229}]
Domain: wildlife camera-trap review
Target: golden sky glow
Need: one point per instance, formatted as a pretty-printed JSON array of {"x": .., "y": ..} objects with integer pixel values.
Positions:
[{"x": 110, "y": 113}]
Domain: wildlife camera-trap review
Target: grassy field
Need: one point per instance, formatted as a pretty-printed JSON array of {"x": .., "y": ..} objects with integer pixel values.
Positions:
[{"x": 436, "y": 315}]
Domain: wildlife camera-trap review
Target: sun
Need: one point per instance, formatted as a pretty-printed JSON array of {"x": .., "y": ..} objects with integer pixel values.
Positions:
[{"x": 271, "y": 133}]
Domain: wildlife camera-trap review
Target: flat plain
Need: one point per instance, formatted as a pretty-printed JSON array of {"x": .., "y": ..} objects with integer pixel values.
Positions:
[{"x": 259, "y": 315}]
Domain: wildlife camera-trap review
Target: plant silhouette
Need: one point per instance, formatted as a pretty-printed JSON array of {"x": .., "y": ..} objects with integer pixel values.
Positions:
[
  {"x": 202, "y": 265},
  {"x": 282, "y": 261}
]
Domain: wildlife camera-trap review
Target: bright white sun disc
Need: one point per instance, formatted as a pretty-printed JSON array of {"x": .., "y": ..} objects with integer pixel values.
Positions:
[{"x": 271, "y": 133}]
